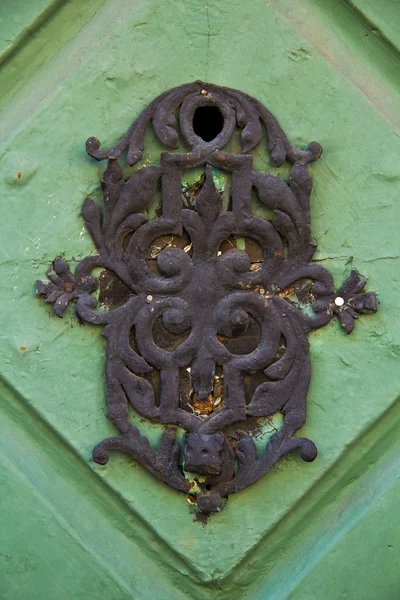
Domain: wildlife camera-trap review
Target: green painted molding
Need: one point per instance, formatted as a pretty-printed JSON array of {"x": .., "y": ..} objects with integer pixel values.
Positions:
[{"x": 19, "y": 20}]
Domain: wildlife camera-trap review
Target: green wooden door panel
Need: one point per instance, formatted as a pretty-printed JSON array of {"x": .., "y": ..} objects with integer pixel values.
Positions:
[
  {"x": 18, "y": 19},
  {"x": 383, "y": 17},
  {"x": 304, "y": 531},
  {"x": 363, "y": 565},
  {"x": 78, "y": 538}
]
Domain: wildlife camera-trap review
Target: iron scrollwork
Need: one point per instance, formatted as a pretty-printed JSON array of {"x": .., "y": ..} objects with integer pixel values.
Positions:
[{"x": 204, "y": 298}]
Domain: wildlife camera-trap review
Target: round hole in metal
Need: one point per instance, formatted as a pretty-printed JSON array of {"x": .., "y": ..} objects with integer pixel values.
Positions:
[{"x": 208, "y": 122}]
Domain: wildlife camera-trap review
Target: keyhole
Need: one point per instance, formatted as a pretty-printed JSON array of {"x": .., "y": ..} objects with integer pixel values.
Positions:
[{"x": 208, "y": 122}]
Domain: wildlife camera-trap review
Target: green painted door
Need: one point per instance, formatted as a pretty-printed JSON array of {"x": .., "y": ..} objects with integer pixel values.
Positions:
[{"x": 72, "y": 529}]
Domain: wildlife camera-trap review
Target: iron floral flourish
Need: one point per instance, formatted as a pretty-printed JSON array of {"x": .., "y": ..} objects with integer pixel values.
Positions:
[{"x": 206, "y": 298}]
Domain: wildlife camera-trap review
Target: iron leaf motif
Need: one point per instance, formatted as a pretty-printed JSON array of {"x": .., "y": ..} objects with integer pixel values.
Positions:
[{"x": 210, "y": 302}]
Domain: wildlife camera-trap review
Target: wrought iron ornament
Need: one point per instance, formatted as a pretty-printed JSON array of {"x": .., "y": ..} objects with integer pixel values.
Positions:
[{"x": 205, "y": 300}]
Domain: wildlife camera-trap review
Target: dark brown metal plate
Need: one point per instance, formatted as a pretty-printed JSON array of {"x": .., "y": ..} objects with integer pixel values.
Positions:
[{"x": 199, "y": 337}]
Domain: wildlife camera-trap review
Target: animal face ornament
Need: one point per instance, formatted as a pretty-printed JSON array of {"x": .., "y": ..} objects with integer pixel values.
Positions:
[{"x": 206, "y": 339}]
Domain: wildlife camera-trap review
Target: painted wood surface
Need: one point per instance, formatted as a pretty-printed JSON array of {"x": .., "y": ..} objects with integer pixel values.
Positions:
[{"x": 75, "y": 530}]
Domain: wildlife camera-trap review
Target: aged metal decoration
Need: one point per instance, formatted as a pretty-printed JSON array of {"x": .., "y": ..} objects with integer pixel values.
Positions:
[{"x": 206, "y": 340}]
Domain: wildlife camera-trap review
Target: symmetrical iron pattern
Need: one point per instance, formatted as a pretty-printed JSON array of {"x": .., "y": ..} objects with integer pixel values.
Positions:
[{"x": 203, "y": 298}]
